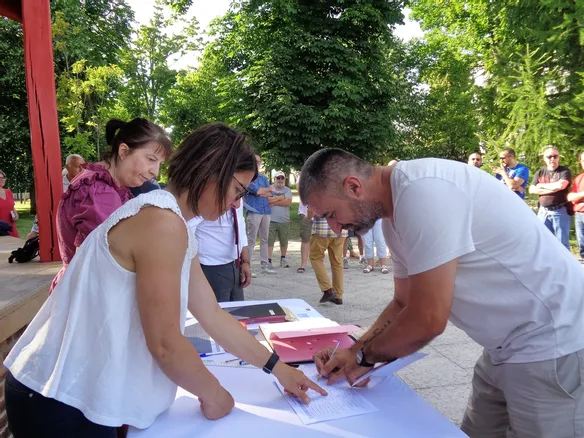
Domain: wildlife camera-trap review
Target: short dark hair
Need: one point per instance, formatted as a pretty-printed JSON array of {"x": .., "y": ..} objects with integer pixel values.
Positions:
[
  {"x": 214, "y": 152},
  {"x": 327, "y": 169},
  {"x": 510, "y": 151},
  {"x": 136, "y": 134}
]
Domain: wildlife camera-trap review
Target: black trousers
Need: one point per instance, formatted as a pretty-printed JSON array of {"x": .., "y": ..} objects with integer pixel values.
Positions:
[
  {"x": 32, "y": 415},
  {"x": 225, "y": 280}
]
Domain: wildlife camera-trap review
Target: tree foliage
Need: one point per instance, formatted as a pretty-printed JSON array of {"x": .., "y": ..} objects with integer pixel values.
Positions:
[
  {"x": 147, "y": 63},
  {"x": 528, "y": 99},
  {"x": 305, "y": 75}
]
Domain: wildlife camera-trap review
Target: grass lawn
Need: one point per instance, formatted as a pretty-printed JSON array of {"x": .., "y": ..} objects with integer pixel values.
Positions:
[{"x": 25, "y": 219}]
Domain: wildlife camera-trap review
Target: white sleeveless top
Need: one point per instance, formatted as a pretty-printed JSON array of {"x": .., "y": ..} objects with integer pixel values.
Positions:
[{"x": 86, "y": 347}]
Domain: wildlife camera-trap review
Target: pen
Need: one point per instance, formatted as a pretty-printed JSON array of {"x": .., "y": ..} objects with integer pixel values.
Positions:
[
  {"x": 210, "y": 354},
  {"x": 241, "y": 362},
  {"x": 335, "y": 350},
  {"x": 332, "y": 355}
]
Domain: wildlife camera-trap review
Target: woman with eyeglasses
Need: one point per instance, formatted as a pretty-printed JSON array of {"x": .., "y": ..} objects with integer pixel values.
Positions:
[
  {"x": 107, "y": 348},
  {"x": 8, "y": 213}
]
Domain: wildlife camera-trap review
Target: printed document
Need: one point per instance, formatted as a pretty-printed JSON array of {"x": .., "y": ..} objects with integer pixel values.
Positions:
[{"x": 341, "y": 402}]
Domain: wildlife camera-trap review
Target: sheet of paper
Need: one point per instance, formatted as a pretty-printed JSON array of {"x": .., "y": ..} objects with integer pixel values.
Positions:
[
  {"x": 387, "y": 369},
  {"x": 341, "y": 402}
]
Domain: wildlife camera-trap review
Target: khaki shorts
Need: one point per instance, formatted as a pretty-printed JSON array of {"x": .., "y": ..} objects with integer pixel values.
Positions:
[
  {"x": 280, "y": 230},
  {"x": 305, "y": 229}
]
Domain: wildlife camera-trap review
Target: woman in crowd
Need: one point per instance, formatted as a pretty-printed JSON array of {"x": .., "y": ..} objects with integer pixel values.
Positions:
[
  {"x": 7, "y": 212},
  {"x": 375, "y": 236},
  {"x": 107, "y": 348},
  {"x": 138, "y": 148}
]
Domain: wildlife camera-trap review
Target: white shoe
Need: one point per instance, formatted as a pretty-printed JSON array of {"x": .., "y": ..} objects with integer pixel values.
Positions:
[
  {"x": 284, "y": 263},
  {"x": 266, "y": 269}
]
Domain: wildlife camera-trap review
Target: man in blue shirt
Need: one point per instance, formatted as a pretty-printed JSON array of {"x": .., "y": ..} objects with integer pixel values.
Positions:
[
  {"x": 513, "y": 174},
  {"x": 258, "y": 217}
]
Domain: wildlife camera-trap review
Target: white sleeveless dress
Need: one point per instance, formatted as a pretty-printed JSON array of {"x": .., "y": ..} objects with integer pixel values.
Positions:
[{"x": 86, "y": 347}]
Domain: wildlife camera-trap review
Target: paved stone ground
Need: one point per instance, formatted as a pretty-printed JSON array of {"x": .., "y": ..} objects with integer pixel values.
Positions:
[{"x": 443, "y": 378}]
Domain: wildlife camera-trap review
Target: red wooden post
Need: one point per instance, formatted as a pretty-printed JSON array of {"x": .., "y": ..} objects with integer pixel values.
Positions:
[{"x": 44, "y": 124}]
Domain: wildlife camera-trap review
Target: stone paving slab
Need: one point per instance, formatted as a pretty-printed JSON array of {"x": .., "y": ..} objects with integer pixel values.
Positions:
[{"x": 443, "y": 378}]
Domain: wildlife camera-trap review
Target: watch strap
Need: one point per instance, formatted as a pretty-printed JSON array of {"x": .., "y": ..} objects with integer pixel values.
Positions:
[
  {"x": 364, "y": 362},
  {"x": 271, "y": 363}
]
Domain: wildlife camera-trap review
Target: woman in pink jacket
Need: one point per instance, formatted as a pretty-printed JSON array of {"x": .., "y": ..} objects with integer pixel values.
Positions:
[{"x": 138, "y": 148}]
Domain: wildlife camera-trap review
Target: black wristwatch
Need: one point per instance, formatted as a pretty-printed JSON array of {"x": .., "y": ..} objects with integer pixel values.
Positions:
[
  {"x": 361, "y": 360},
  {"x": 271, "y": 363}
]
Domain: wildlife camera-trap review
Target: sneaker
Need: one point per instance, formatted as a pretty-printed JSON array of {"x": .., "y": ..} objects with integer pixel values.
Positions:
[
  {"x": 327, "y": 296},
  {"x": 284, "y": 263},
  {"x": 270, "y": 266},
  {"x": 345, "y": 263},
  {"x": 363, "y": 261},
  {"x": 267, "y": 269}
]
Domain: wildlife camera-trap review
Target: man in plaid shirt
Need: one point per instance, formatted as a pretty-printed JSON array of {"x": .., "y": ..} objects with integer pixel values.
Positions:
[{"x": 323, "y": 238}]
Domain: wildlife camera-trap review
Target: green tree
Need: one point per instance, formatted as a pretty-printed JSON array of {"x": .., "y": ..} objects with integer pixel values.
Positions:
[
  {"x": 493, "y": 33},
  {"x": 532, "y": 122},
  {"x": 146, "y": 63},
  {"x": 86, "y": 101},
  {"x": 15, "y": 153},
  {"x": 89, "y": 39},
  {"x": 447, "y": 122},
  {"x": 307, "y": 75}
]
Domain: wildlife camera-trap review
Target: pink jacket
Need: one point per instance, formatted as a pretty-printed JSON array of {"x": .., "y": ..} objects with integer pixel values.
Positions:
[{"x": 91, "y": 197}]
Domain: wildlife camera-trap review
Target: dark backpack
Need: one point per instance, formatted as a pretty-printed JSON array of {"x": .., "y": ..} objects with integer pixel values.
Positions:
[{"x": 29, "y": 251}]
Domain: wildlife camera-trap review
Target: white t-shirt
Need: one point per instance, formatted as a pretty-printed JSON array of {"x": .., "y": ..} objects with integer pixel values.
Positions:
[
  {"x": 518, "y": 292},
  {"x": 217, "y": 238},
  {"x": 86, "y": 345}
]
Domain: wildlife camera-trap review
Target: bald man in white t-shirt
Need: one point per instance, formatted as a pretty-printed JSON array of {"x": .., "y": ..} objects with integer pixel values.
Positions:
[{"x": 482, "y": 260}]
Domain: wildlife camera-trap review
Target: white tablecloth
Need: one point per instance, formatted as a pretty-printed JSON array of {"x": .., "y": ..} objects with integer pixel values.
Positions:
[{"x": 262, "y": 412}]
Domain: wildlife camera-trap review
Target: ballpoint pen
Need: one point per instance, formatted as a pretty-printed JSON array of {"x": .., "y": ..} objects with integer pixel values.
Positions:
[
  {"x": 210, "y": 354},
  {"x": 334, "y": 351},
  {"x": 331, "y": 358}
]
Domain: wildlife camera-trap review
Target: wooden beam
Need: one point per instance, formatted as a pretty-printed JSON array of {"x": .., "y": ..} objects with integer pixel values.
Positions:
[
  {"x": 44, "y": 124},
  {"x": 11, "y": 9}
]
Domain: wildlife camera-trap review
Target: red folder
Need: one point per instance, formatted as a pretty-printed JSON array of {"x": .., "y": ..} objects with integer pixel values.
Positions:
[{"x": 300, "y": 345}]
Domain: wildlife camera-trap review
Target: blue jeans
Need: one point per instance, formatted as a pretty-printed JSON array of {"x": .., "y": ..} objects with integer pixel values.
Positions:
[
  {"x": 558, "y": 222},
  {"x": 580, "y": 232},
  {"x": 375, "y": 235}
]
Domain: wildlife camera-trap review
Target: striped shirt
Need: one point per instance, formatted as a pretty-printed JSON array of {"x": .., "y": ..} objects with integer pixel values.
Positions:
[{"x": 321, "y": 228}]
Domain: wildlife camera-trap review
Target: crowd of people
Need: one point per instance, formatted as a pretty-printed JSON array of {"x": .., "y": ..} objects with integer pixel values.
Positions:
[
  {"x": 560, "y": 196},
  {"x": 107, "y": 350}
]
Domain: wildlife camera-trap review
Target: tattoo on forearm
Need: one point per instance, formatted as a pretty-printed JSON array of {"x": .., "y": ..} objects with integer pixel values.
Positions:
[{"x": 376, "y": 333}]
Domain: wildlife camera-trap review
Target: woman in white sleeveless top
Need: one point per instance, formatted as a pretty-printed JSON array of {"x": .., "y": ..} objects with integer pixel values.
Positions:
[{"x": 107, "y": 349}]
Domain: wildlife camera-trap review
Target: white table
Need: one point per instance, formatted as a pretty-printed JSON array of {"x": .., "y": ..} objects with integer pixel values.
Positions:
[{"x": 262, "y": 412}]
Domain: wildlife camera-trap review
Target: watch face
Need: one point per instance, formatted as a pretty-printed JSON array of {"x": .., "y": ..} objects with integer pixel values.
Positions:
[{"x": 359, "y": 357}]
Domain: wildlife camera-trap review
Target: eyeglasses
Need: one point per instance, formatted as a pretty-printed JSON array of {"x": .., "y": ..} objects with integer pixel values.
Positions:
[
  {"x": 549, "y": 157},
  {"x": 244, "y": 190}
]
